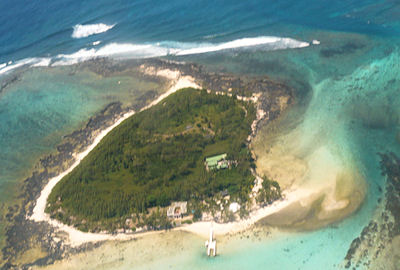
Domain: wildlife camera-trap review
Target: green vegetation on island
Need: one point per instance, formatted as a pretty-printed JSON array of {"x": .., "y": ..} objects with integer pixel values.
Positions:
[
  {"x": 269, "y": 192},
  {"x": 156, "y": 157}
]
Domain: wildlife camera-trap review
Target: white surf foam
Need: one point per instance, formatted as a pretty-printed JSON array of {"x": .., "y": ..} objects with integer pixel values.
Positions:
[
  {"x": 273, "y": 42},
  {"x": 114, "y": 49},
  {"x": 175, "y": 48},
  {"x": 81, "y": 31},
  {"x": 32, "y": 62},
  {"x": 11, "y": 65},
  {"x": 42, "y": 62},
  {"x": 128, "y": 50}
]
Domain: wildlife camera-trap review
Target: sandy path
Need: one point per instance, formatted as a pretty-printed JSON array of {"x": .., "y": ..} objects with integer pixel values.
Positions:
[{"x": 77, "y": 237}]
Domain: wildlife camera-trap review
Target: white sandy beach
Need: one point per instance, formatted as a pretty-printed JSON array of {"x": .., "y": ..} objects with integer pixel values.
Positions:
[
  {"x": 257, "y": 213},
  {"x": 76, "y": 237}
]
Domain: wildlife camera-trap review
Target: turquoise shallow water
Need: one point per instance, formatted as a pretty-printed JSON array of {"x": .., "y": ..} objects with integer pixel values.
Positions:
[
  {"x": 43, "y": 106},
  {"x": 353, "y": 109},
  {"x": 348, "y": 90},
  {"x": 47, "y": 104},
  {"x": 349, "y": 106}
]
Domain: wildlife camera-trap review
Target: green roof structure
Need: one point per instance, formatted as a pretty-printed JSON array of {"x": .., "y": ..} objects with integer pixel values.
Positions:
[{"x": 214, "y": 162}]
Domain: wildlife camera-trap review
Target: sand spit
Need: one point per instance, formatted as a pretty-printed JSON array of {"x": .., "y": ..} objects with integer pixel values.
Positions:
[
  {"x": 337, "y": 184},
  {"x": 256, "y": 214}
]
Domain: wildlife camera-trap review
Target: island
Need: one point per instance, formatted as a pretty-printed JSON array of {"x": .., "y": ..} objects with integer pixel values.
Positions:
[{"x": 192, "y": 147}]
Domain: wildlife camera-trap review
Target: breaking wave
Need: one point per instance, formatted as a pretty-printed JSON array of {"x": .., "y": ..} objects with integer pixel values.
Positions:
[
  {"x": 165, "y": 48},
  {"x": 274, "y": 43},
  {"x": 81, "y": 31},
  {"x": 11, "y": 65},
  {"x": 128, "y": 50}
]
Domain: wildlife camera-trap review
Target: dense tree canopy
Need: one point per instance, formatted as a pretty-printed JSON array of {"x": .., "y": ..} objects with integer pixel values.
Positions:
[{"x": 157, "y": 156}]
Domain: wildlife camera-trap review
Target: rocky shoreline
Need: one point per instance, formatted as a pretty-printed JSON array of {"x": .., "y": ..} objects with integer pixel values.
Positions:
[
  {"x": 19, "y": 234},
  {"x": 23, "y": 234}
]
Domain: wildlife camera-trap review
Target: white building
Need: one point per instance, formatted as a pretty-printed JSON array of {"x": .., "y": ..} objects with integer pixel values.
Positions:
[
  {"x": 234, "y": 207},
  {"x": 177, "y": 210}
]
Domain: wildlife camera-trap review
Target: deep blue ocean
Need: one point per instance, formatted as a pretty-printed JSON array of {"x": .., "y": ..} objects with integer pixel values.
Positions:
[
  {"x": 44, "y": 28},
  {"x": 343, "y": 56}
]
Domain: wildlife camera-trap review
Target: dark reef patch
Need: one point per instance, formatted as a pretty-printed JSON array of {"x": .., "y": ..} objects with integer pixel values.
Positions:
[
  {"x": 8, "y": 80},
  {"x": 378, "y": 235},
  {"x": 348, "y": 48}
]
